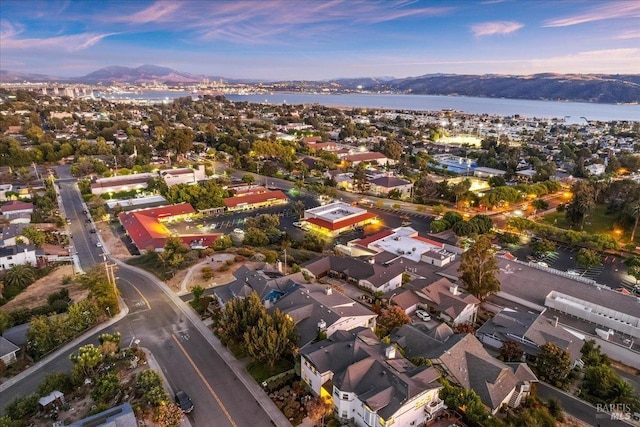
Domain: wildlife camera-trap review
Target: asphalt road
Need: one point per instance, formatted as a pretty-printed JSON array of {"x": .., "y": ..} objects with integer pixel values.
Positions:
[
  {"x": 164, "y": 326},
  {"x": 579, "y": 409}
]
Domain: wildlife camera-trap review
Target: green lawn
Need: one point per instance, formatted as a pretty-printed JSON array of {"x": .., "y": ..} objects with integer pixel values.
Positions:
[
  {"x": 261, "y": 372},
  {"x": 597, "y": 222}
]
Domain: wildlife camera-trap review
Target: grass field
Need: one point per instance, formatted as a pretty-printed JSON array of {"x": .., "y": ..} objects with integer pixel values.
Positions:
[{"x": 597, "y": 222}]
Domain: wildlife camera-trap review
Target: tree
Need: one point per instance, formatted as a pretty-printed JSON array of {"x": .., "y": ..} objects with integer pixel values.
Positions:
[
  {"x": 606, "y": 386},
  {"x": 272, "y": 339},
  {"x": 581, "y": 204},
  {"x": 511, "y": 351},
  {"x": 168, "y": 414},
  {"x": 35, "y": 236},
  {"x": 540, "y": 204},
  {"x": 248, "y": 178},
  {"x": 256, "y": 237},
  {"x": 5, "y": 322},
  {"x": 588, "y": 258},
  {"x": 479, "y": 268},
  {"x": 298, "y": 208},
  {"x": 360, "y": 181},
  {"x": 553, "y": 364},
  {"x": 106, "y": 387},
  {"x": 542, "y": 246},
  {"x": 86, "y": 362},
  {"x": 392, "y": 317},
  {"x": 634, "y": 210},
  {"x": 318, "y": 408},
  {"x": 19, "y": 276},
  {"x": 238, "y": 316},
  {"x": 465, "y": 328},
  {"x": 149, "y": 385}
]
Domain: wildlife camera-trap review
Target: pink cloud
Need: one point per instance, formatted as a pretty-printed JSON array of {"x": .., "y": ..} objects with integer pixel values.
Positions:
[
  {"x": 610, "y": 10},
  {"x": 69, "y": 43},
  {"x": 159, "y": 11},
  {"x": 496, "y": 27}
]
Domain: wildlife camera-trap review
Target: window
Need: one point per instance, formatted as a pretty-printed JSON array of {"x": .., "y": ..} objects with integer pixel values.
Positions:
[
  {"x": 345, "y": 396},
  {"x": 368, "y": 416}
]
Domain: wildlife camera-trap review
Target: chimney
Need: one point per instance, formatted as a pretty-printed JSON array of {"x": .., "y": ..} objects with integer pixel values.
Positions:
[
  {"x": 322, "y": 325},
  {"x": 555, "y": 321},
  {"x": 279, "y": 266},
  {"x": 328, "y": 290},
  {"x": 454, "y": 289},
  {"x": 372, "y": 261},
  {"x": 390, "y": 352}
]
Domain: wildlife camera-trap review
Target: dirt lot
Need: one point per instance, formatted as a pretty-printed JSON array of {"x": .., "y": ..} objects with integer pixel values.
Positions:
[
  {"x": 36, "y": 294},
  {"x": 117, "y": 249}
]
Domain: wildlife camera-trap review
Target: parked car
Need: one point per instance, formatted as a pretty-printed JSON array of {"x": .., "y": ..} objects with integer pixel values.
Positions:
[
  {"x": 184, "y": 401},
  {"x": 88, "y": 220},
  {"x": 297, "y": 224},
  {"x": 99, "y": 244},
  {"x": 93, "y": 230},
  {"x": 423, "y": 315}
]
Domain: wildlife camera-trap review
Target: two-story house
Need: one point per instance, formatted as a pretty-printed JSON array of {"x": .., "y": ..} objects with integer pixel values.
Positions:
[
  {"x": 369, "y": 382},
  {"x": 463, "y": 360}
]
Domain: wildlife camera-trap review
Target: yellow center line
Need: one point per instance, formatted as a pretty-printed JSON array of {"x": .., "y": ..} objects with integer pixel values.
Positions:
[
  {"x": 139, "y": 293},
  {"x": 206, "y": 383}
]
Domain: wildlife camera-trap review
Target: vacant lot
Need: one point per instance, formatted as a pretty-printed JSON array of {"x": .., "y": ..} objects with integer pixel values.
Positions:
[{"x": 36, "y": 294}]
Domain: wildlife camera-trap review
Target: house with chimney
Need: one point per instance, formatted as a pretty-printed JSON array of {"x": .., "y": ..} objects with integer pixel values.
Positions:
[
  {"x": 530, "y": 330},
  {"x": 463, "y": 360},
  {"x": 448, "y": 301},
  {"x": 267, "y": 282},
  {"x": 364, "y": 274},
  {"x": 369, "y": 382},
  {"x": 319, "y": 311}
]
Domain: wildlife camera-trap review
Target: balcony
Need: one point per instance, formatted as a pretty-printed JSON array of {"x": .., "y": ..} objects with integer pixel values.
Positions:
[{"x": 433, "y": 406}]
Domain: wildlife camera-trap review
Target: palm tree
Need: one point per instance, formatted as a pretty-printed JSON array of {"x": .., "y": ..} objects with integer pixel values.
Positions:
[
  {"x": 19, "y": 276},
  {"x": 634, "y": 210}
]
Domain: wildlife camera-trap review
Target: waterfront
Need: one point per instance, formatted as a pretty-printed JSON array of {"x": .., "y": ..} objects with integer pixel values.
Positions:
[{"x": 572, "y": 112}]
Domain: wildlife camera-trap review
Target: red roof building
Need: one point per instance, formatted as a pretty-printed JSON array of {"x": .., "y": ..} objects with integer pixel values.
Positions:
[
  {"x": 147, "y": 231},
  {"x": 336, "y": 218},
  {"x": 253, "y": 200}
]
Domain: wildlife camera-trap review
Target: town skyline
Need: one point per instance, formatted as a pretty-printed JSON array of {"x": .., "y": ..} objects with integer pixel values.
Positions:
[{"x": 275, "y": 40}]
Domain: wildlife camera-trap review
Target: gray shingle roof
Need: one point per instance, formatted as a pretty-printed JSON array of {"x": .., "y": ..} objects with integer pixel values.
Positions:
[
  {"x": 533, "y": 327},
  {"x": 465, "y": 361},
  {"x": 358, "y": 363},
  {"x": 309, "y": 304}
]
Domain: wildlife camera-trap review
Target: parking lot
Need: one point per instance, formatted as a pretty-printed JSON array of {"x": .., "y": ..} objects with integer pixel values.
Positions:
[{"x": 611, "y": 273}]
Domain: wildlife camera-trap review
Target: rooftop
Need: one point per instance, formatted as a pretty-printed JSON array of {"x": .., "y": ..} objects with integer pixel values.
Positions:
[{"x": 334, "y": 212}]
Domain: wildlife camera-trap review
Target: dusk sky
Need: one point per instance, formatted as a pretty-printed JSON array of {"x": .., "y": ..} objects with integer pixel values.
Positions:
[{"x": 314, "y": 40}]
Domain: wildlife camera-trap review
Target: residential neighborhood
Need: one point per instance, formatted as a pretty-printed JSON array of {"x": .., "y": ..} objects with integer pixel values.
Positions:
[{"x": 392, "y": 267}]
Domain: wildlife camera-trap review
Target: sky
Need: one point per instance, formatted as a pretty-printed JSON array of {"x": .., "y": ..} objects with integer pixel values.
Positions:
[{"x": 318, "y": 40}]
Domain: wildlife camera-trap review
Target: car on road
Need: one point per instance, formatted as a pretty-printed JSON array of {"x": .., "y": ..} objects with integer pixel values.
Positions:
[
  {"x": 297, "y": 224},
  {"x": 92, "y": 231},
  {"x": 184, "y": 401},
  {"x": 99, "y": 244},
  {"x": 423, "y": 315}
]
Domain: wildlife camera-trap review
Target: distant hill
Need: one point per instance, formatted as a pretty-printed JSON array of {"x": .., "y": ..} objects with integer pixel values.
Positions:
[
  {"x": 567, "y": 87},
  {"x": 598, "y": 88},
  {"x": 142, "y": 74}
]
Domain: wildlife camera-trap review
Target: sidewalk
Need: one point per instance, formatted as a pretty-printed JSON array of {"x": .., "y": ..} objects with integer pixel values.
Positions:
[
  {"x": 235, "y": 365},
  {"x": 153, "y": 364}
]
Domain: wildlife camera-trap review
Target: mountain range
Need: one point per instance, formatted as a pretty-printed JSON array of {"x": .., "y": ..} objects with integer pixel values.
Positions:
[{"x": 599, "y": 88}]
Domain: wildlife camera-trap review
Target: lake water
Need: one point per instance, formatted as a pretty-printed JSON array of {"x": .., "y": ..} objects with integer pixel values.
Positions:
[{"x": 573, "y": 112}]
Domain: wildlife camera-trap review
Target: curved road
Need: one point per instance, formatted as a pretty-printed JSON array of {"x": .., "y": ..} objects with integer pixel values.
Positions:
[{"x": 222, "y": 394}]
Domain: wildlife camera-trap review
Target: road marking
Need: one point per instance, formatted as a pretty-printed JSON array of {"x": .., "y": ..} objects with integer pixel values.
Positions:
[
  {"x": 206, "y": 383},
  {"x": 139, "y": 293}
]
